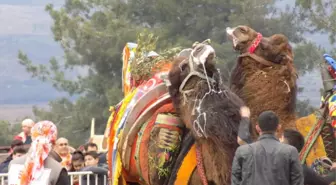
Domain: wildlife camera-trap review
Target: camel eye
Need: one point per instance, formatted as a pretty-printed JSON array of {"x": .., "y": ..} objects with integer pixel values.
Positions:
[
  {"x": 242, "y": 29},
  {"x": 244, "y": 42}
]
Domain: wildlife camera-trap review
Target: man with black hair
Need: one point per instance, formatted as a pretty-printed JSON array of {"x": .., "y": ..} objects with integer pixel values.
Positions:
[
  {"x": 91, "y": 147},
  {"x": 91, "y": 158},
  {"x": 266, "y": 161},
  {"x": 295, "y": 138}
]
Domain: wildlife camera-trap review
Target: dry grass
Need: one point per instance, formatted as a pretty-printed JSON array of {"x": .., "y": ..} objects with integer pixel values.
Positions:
[{"x": 15, "y": 113}]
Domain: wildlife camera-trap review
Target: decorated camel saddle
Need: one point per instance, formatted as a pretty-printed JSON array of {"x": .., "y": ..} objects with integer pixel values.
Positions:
[
  {"x": 145, "y": 113},
  {"x": 319, "y": 127},
  {"x": 144, "y": 130}
]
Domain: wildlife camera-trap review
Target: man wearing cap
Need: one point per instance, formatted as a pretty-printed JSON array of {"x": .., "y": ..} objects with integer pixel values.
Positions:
[{"x": 24, "y": 136}]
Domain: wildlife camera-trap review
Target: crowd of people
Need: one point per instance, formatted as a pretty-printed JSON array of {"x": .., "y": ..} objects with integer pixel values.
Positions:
[
  {"x": 271, "y": 160},
  {"x": 38, "y": 142}
]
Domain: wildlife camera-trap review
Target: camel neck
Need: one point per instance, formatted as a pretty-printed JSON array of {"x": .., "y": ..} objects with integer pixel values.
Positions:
[{"x": 212, "y": 156}]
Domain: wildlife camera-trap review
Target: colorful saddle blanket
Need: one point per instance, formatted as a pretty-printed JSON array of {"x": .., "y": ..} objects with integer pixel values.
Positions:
[{"x": 125, "y": 111}]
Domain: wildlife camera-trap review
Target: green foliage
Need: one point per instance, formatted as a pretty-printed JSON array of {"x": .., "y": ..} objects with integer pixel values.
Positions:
[
  {"x": 93, "y": 33},
  {"x": 7, "y": 132},
  {"x": 142, "y": 66}
]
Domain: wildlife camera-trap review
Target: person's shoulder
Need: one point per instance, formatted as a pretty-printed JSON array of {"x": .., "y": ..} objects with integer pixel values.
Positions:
[
  {"x": 55, "y": 156},
  {"x": 19, "y": 160},
  {"x": 286, "y": 148},
  {"x": 242, "y": 149},
  {"x": 50, "y": 162}
]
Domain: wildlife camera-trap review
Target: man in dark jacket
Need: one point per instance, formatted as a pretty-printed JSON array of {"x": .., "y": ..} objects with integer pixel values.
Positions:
[{"x": 267, "y": 161}]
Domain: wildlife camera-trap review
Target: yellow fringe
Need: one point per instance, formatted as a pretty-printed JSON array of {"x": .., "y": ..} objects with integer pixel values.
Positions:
[
  {"x": 108, "y": 125},
  {"x": 118, "y": 170},
  {"x": 118, "y": 167}
]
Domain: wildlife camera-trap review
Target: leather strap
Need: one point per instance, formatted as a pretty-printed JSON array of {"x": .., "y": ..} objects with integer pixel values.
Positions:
[{"x": 258, "y": 59}]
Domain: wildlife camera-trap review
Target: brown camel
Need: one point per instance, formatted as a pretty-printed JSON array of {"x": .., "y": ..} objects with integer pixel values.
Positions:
[
  {"x": 264, "y": 75},
  {"x": 265, "y": 78},
  {"x": 209, "y": 109}
]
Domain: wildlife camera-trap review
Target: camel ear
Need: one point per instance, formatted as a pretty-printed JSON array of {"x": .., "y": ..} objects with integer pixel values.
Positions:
[
  {"x": 185, "y": 52},
  {"x": 264, "y": 44}
]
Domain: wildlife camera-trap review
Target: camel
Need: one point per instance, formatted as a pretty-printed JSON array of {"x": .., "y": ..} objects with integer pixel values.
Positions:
[
  {"x": 264, "y": 85},
  {"x": 209, "y": 110},
  {"x": 265, "y": 79}
]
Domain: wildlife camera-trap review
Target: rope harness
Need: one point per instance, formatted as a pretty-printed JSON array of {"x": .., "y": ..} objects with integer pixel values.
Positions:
[
  {"x": 193, "y": 72},
  {"x": 200, "y": 167},
  {"x": 257, "y": 58},
  {"x": 252, "y": 55}
]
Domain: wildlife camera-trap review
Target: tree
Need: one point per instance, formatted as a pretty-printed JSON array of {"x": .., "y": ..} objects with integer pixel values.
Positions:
[
  {"x": 319, "y": 15},
  {"x": 92, "y": 41},
  {"x": 7, "y": 132},
  {"x": 93, "y": 33},
  {"x": 188, "y": 21}
]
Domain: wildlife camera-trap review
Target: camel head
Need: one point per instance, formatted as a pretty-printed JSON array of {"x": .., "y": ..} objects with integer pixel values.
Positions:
[
  {"x": 191, "y": 66},
  {"x": 197, "y": 91},
  {"x": 275, "y": 49},
  {"x": 241, "y": 36},
  {"x": 201, "y": 57}
]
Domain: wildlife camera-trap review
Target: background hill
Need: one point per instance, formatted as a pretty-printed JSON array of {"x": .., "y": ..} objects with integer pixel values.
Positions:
[{"x": 24, "y": 25}]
